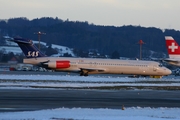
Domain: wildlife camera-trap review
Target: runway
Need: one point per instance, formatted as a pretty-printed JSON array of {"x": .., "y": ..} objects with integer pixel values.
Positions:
[
  {"x": 29, "y": 91},
  {"x": 37, "y": 99}
]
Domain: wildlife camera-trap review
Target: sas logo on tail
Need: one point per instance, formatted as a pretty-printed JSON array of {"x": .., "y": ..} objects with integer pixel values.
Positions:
[
  {"x": 33, "y": 54},
  {"x": 173, "y": 47}
]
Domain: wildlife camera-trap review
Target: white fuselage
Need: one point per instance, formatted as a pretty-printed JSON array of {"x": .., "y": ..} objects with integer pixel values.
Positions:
[{"x": 108, "y": 66}]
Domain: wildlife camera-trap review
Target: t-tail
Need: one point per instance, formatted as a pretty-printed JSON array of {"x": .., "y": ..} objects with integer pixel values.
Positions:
[
  {"x": 172, "y": 47},
  {"x": 28, "y": 48}
]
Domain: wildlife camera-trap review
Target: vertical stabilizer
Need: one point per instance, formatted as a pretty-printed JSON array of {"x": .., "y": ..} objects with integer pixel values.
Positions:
[
  {"x": 28, "y": 48},
  {"x": 172, "y": 47}
]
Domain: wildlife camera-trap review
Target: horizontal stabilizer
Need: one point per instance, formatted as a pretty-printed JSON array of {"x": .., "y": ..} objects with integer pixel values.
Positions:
[{"x": 21, "y": 41}]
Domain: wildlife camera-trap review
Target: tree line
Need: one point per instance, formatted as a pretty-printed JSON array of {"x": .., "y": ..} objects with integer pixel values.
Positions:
[{"x": 82, "y": 36}]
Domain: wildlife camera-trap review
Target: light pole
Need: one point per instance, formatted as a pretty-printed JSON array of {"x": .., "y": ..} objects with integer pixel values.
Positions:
[
  {"x": 140, "y": 51},
  {"x": 39, "y": 37}
]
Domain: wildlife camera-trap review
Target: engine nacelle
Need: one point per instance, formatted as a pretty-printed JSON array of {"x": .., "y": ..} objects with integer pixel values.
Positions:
[{"x": 58, "y": 64}]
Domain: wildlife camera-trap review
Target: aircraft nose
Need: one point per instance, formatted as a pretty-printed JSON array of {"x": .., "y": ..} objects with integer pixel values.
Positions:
[{"x": 168, "y": 71}]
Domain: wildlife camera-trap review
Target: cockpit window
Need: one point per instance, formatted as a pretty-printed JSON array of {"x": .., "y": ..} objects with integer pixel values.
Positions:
[{"x": 160, "y": 65}]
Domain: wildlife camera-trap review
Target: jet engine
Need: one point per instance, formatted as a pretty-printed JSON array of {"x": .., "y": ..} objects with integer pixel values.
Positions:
[{"x": 57, "y": 64}]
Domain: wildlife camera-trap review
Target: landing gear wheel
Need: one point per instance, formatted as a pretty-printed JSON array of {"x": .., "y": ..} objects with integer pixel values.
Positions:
[{"x": 83, "y": 73}]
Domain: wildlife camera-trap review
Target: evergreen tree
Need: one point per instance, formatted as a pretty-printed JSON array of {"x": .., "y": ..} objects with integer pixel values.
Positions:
[{"x": 115, "y": 55}]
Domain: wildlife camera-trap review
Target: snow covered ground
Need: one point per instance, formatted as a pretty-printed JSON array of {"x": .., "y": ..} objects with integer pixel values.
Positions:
[
  {"x": 130, "y": 113},
  {"x": 63, "y": 81},
  {"x": 8, "y": 49}
]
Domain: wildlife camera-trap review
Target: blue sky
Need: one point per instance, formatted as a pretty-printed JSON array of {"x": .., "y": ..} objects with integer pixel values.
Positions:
[{"x": 162, "y": 14}]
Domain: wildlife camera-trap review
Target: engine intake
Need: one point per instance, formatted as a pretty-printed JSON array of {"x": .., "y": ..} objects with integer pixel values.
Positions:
[{"x": 58, "y": 64}]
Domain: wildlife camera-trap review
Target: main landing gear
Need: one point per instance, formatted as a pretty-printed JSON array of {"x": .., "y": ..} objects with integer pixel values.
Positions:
[{"x": 83, "y": 73}]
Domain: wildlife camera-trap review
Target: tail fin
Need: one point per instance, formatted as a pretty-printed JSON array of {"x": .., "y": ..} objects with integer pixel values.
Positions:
[
  {"x": 28, "y": 48},
  {"x": 172, "y": 47}
]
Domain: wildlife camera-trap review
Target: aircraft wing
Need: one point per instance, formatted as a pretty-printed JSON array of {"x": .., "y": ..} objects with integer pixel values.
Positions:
[
  {"x": 171, "y": 60},
  {"x": 175, "y": 62},
  {"x": 96, "y": 70}
]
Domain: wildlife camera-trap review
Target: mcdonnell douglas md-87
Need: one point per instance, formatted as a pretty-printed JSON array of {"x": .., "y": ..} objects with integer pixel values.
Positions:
[{"x": 85, "y": 66}]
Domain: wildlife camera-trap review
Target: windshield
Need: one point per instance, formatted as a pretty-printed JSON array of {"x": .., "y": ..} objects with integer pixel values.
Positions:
[{"x": 160, "y": 65}]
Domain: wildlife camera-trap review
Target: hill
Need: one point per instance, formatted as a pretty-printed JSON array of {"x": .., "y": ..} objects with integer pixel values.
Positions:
[
  {"x": 83, "y": 36},
  {"x": 14, "y": 48}
]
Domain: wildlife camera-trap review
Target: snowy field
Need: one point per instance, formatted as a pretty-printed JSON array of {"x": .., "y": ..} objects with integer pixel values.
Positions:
[
  {"x": 72, "y": 81},
  {"x": 63, "y": 81},
  {"x": 133, "y": 113}
]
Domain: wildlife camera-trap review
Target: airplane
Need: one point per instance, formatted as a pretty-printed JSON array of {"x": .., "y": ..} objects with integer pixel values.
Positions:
[
  {"x": 173, "y": 51},
  {"x": 86, "y": 66}
]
